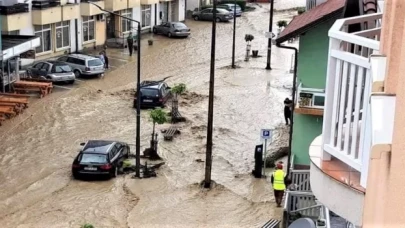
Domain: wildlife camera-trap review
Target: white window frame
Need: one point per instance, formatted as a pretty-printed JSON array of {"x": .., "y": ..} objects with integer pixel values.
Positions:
[
  {"x": 86, "y": 24},
  {"x": 61, "y": 26},
  {"x": 126, "y": 13},
  {"x": 145, "y": 9},
  {"x": 42, "y": 40}
]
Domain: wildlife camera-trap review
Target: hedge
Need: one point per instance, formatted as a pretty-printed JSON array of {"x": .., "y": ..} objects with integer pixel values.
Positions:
[{"x": 241, "y": 3}]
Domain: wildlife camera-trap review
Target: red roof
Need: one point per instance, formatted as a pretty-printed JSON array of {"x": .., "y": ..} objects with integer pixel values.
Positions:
[{"x": 305, "y": 21}]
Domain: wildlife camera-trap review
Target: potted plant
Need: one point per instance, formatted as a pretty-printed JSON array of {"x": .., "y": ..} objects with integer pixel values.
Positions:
[
  {"x": 176, "y": 90},
  {"x": 281, "y": 24},
  {"x": 150, "y": 42},
  {"x": 87, "y": 225}
]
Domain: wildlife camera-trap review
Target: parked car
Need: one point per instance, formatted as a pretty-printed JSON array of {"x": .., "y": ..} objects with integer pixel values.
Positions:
[
  {"x": 100, "y": 157},
  {"x": 207, "y": 15},
  {"x": 170, "y": 29},
  {"x": 231, "y": 7},
  {"x": 55, "y": 71},
  {"x": 84, "y": 64},
  {"x": 153, "y": 94}
]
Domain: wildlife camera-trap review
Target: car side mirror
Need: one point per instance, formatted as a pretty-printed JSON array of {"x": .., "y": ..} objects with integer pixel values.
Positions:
[
  {"x": 169, "y": 87},
  {"x": 82, "y": 144}
]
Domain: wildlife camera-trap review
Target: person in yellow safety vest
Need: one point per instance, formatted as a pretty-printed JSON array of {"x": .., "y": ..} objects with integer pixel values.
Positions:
[{"x": 278, "y": 179}]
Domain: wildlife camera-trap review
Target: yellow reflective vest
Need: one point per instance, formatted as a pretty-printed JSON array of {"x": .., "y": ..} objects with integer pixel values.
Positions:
[{"x": 278, "y": 180}]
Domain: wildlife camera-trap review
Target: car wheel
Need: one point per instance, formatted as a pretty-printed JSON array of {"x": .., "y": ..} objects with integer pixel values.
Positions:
[
  {"x": 71, "y": 82},
  {"x": 77, "y": 73},
  {"x": 154, "y": 31},
  {"x": 196, "y": 18},
  {"x": 75, "y": 175},
  {"x": 169, "y": 34},
  {"x": 218, "y": 19}
]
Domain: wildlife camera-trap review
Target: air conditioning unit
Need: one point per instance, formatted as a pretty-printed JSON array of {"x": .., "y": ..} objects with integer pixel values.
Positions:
[{"x": 100, "y": 17}]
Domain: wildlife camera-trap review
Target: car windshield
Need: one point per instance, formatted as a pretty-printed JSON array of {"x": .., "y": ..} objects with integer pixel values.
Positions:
[
  {"x": 179, "y": 26},
  {"x": 95, "y": 62},
  {"x": 149, "y": 92},
  {"x": 62, "y": 69},
  {"x": 93, "y": 158}
]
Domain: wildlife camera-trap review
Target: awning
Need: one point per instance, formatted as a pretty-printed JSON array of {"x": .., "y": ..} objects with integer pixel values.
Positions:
[
  {"x": 304, "y": 22},
  {"x": 14, "y": 45}
]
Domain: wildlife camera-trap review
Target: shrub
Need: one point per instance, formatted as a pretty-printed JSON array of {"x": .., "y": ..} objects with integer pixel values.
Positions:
[
  {"x": 281, "y": 23},
  {"x": 87, "y": 225},
  {"x": 301, "y": 10}
]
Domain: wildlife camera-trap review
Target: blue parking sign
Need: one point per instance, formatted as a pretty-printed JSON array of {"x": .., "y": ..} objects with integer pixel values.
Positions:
[{"x": 266, "y": 133}]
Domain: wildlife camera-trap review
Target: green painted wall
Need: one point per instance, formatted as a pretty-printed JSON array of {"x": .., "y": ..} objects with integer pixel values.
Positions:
[{"x": 312, "y": 65}]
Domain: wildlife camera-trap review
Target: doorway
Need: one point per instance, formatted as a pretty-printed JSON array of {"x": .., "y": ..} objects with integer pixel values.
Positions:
[{"x": 110, "y": 22}]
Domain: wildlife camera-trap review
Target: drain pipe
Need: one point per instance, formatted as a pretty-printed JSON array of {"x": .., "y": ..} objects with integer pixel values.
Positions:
[
  {"x": 77, "y": 33},
  {"x": 294, "y": 90}
]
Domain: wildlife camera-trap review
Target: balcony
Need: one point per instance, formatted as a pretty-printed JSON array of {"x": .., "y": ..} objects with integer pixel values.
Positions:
[
  {"x": 149, "y": 2},
  {"x": 14, "y": 17},
  {"x": 70, "y": 12},
  {"x": 117, "y": 5},
  {"x": 358, "y": 116},
  {"x": 87, "y": 9},
  {"x": 310, "y": 101},
  {"x": 46, "y": 12}
]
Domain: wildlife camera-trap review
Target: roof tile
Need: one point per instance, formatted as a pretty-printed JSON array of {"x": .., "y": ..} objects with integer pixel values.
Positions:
[{"x": 309, "y": 17}]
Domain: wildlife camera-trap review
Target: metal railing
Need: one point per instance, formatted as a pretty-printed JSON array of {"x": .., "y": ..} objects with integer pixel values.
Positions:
[
  {"x": 300, "y": 204},
  {"x": 14, "y": 9},
  {"x": 300, "y": 180},
  {"x": 348, "y": 87}
]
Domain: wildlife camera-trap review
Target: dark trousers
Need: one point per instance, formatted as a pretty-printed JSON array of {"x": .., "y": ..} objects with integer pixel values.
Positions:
[
  {"x": 287, "y": 116},
  {"x": 278, "y": 195},
  {"x": 106, "y": 62},
  {"x": 130, "y": 48}
]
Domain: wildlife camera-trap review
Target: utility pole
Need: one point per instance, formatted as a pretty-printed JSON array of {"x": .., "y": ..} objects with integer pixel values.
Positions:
[
  {"x": 208, "y": 159},
  {"x": 268, "y": 67},
  {"x": 138, "y": 89},
  {"x": 234, "y": 34}
]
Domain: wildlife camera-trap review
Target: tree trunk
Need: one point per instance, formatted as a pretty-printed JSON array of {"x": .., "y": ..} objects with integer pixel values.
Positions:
[{"x": 153, "y": 131}]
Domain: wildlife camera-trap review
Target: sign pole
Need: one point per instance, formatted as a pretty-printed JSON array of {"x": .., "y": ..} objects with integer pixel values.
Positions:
[{"x": 265, "y": 157}]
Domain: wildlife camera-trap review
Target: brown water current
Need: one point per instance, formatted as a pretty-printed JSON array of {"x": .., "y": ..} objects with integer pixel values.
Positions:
[{"x": 38, "y": 147}]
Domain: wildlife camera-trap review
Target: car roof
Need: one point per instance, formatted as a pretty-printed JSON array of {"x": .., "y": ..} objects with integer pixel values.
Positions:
[
  {"x": 82, "y": 56},
  {"x": 56, "y": 62},
  {"x": 98, "y": 146},
  {"x": 151, "y": 84}
]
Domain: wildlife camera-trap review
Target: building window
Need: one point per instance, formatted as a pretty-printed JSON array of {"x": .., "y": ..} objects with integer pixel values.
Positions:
[
  {"x": 88, "y": 28},
  {"x": 62, "y": 34},
  {"x": 126, "y": 25},
  {"x": 146, "y": 16},
  {"x": 44, "y": 33}
]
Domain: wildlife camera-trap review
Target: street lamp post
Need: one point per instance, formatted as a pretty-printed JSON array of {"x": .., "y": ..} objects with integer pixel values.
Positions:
[
  {"x": 268, "y": 67},
  {"x": 208, "y": 159},
  {"x": 138, "y": 88},
  {"x": 234, "y": 34}
]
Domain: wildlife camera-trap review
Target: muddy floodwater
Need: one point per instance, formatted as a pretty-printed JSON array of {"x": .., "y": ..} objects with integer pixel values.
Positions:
[{"x": 38, "y": 147}]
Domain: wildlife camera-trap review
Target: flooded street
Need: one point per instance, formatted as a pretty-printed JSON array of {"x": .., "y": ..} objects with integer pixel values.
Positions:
[{"x": 38, "y": 147}]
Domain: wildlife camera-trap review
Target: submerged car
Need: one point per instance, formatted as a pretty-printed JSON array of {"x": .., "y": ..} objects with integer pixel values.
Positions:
[
  {"x": 84, "y": 65},
  {"x": 153, "y": 94},
  {"x": 100, "y": 157},
  {"x": 231, "y": 8},
  {"x": 172, "y": 29},
  {"x": 208, "y": 15},
  {"x": 54, "y": 71}
]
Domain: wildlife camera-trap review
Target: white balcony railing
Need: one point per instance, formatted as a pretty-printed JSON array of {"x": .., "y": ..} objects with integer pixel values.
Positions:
[{"x": 348, "y": 87}]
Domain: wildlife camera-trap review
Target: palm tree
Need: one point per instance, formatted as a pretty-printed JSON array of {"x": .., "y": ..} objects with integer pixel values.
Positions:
[{"x": 178, "y": 89}]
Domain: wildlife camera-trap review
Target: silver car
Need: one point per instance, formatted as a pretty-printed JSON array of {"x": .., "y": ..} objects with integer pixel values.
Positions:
[
  {"x": 207, "y": 15},
  {"x": 84, "y": 64},
  {"x": 55, "y": 71},
  {"x": 171, "y": 29}
]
